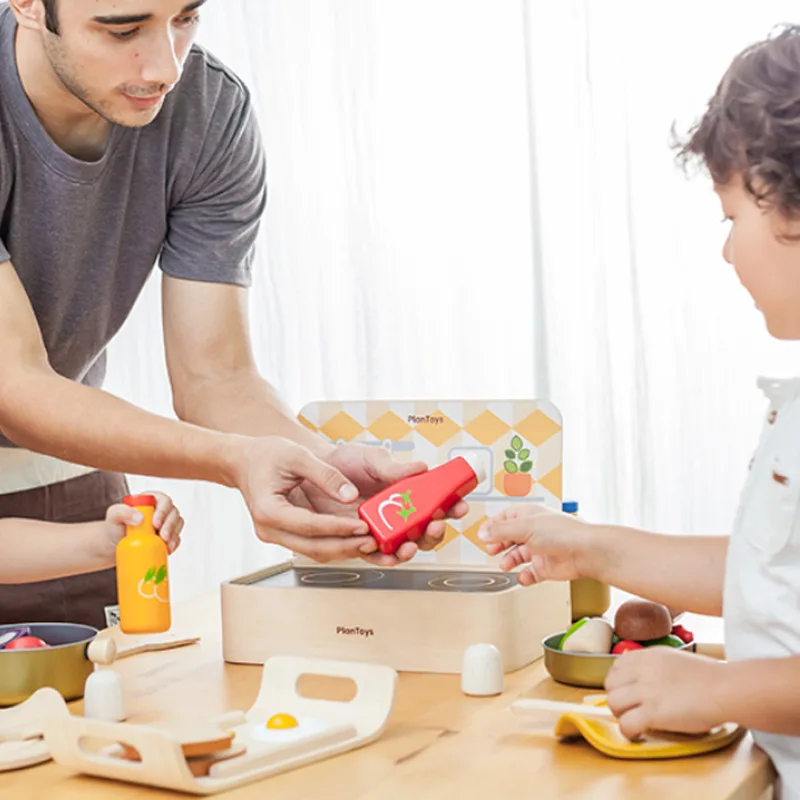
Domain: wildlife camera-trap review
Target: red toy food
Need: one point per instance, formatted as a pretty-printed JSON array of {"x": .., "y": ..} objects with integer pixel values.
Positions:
[
  {"x": 687, "y": 637},
  {"x": 625, "y": 646},
  {"x": 402, "y": 512},
  {"x": 26, "y": 643}
]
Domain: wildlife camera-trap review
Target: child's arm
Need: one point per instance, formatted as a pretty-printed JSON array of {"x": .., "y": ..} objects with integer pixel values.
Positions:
[
  {"x": 764, "y": 694},
  {"x": 683, "y": 572},
  {"x": 38, "y": 551}
]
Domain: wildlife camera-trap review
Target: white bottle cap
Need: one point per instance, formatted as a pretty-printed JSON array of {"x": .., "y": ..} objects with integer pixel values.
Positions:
[
  {"x": 476, "y": 466},
  {"x": 482, "y": 671}
]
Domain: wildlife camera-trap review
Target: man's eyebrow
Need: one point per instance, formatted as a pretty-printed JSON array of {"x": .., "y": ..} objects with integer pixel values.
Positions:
[{"x": 132, "y": 19}]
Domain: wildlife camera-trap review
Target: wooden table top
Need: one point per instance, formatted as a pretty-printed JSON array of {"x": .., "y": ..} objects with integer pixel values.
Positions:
[{"x": 439, "y": 743}]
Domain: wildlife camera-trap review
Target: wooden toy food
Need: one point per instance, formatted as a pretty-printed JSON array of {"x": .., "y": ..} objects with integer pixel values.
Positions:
[
  {"x": 625, "y": 646},
  {"x": 588, "y": 635},
  {"x": 26, "y": 643},
  {"x": 642, "y": 621},
  {"x": 142, "y": 575},
  {"x": 402, "y": 512}
]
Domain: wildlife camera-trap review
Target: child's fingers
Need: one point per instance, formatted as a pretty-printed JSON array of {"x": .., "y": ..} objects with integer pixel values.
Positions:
[
  {"x": 170, "y": 530},
  {"x": 507, "y": 531},
  {"x": 164, "y": 506},
  {"x": 121, "y": 514}
]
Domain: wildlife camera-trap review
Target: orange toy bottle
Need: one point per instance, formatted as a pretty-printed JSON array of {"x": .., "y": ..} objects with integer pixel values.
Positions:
[
  {"x": 142, "y": 577},
  {"x": 402, "y": 512}
]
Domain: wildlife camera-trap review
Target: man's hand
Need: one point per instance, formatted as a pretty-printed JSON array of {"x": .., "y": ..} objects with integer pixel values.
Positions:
[
  {"x": 309, "y": 505},
  {"x": 663, "y": 689},
  {"x": 372, "y": 469}
]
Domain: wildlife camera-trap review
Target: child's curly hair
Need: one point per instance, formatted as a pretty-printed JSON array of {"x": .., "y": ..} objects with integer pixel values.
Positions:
[{"x": 751, "y": 127}]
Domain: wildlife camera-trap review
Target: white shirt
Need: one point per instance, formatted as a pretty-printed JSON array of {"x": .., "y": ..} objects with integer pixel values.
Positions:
[
  {"x": 761, "y": 603},
  {"x": 21, "y": 470}
]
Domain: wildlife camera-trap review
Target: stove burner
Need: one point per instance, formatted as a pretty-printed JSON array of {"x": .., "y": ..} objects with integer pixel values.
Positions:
[
  {"x": 469, "y": 582},
  {"x": 326, "y": 578}
]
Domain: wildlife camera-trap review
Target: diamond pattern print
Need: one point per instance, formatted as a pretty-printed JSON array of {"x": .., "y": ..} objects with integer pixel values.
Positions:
[
  {"x": 480, "y": 425},
  {"x": 450, "y": 533},
  {"x": 552, "y": 481},
  {"x": 487, "y": 428},
  {"x": 537, "y": 428},
  {"x": 437, "y": 433},
  {"x": 471, "y": 533},
  {"x": 342, "y": 426},
  {"x": 389, "y": 426}
]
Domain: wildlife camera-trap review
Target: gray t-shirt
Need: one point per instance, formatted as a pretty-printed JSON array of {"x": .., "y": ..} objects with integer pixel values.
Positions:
[{"x": 186, "y": 191}]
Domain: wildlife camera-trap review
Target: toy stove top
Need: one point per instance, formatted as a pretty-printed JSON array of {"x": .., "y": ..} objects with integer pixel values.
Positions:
[{"x": 394, "y": 579}]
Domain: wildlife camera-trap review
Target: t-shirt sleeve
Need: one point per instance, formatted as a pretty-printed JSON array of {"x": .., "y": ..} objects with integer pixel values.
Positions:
[{"x": 212, "y": 228}]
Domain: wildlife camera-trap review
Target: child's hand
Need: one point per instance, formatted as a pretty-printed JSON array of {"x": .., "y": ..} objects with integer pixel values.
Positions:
[
  {"x": 549, "y": 540},
  {"x": 660, "y": 688},
  {"x": 166, "y": 520}
]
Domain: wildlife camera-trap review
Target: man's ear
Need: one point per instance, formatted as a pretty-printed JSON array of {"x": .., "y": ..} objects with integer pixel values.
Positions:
[{"x": 29, "y": 13}]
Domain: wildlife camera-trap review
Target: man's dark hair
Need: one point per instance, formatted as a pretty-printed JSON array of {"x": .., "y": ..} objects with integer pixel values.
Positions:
[
  {"x": 50, "y": 18},
  {"x": 751, "y": 126}
]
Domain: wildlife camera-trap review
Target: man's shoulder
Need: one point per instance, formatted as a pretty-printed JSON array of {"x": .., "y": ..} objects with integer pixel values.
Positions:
[{"x": 208, "y": 95}]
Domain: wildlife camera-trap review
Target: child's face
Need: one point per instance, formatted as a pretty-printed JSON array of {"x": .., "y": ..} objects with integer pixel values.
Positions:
[{"x": 767, "y": 264}]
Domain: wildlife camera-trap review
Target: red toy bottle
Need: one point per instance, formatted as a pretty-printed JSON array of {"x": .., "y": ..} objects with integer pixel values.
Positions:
[{"x": 403, "y": 511}]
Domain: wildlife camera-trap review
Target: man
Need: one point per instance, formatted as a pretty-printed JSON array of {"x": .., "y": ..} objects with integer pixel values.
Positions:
[{"x": 122, "y": 144}]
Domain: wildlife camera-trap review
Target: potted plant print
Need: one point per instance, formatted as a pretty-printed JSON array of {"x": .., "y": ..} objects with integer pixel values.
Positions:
[{"x": 517, "y": 480}]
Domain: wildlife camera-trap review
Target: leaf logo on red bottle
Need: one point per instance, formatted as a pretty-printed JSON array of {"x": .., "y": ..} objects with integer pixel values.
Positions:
[{"x": 405, "y": 508}]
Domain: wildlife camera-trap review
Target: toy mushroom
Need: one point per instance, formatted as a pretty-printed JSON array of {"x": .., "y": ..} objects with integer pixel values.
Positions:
[{"x": 642, "y": 621}]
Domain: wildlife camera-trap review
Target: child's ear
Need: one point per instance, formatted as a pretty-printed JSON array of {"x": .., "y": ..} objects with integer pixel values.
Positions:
[
  {"x": 786, "y": 228},
  {"x": 29, "y": 13}
]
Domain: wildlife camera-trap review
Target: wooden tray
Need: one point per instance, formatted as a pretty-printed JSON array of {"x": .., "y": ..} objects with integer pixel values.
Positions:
[{"x": 332, "y": 727}]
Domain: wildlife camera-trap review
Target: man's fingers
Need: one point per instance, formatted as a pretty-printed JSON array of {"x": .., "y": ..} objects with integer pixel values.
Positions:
[
  {"x": 282, "y": 517},
  {"x": 459, "y": 510},
  {"x": 306, "y": 466},
  {"x": 321, "y": 550},
  {"x": 384, "y": 469}
]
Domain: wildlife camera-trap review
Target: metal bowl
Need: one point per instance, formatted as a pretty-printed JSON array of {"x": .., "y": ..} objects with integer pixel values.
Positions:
[
  {"x": 579, "y": 669},
  {"x": 65, "y": 665}
]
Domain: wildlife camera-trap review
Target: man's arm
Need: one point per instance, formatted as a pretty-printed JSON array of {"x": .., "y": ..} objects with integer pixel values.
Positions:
[
  {"x": 47, "y": 413},
  {"x": 44, "y": 412},
  {"x": 214, "y": 378}
]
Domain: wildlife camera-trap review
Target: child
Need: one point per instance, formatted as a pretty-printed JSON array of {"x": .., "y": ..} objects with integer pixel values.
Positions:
[
  {"x": 749, "y": 140},
  {"x": 38, "y": 551}
]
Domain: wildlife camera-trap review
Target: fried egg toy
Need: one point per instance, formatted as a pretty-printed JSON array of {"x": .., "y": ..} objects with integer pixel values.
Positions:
[{"x": 282, "y": 728}]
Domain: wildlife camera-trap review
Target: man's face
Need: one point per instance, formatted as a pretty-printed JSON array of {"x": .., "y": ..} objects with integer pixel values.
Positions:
[
  {"x": 121, "y": 57},
  {"x": 767, "y": 263}
]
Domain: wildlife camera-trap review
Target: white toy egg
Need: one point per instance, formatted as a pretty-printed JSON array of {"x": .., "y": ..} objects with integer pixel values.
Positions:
[{"x": 282, "y": 728}]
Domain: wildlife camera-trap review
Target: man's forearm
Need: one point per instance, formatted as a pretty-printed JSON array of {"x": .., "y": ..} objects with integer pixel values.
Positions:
[
  {"x": 763, "y": 694},
  {"x": 48, "y": 414},
  {"x": 245, "y": 403},
  {"x": 685, "y": 572}
]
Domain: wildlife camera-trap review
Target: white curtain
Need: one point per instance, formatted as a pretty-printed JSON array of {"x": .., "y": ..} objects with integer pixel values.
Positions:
[{"x": 477, "y": 198}]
